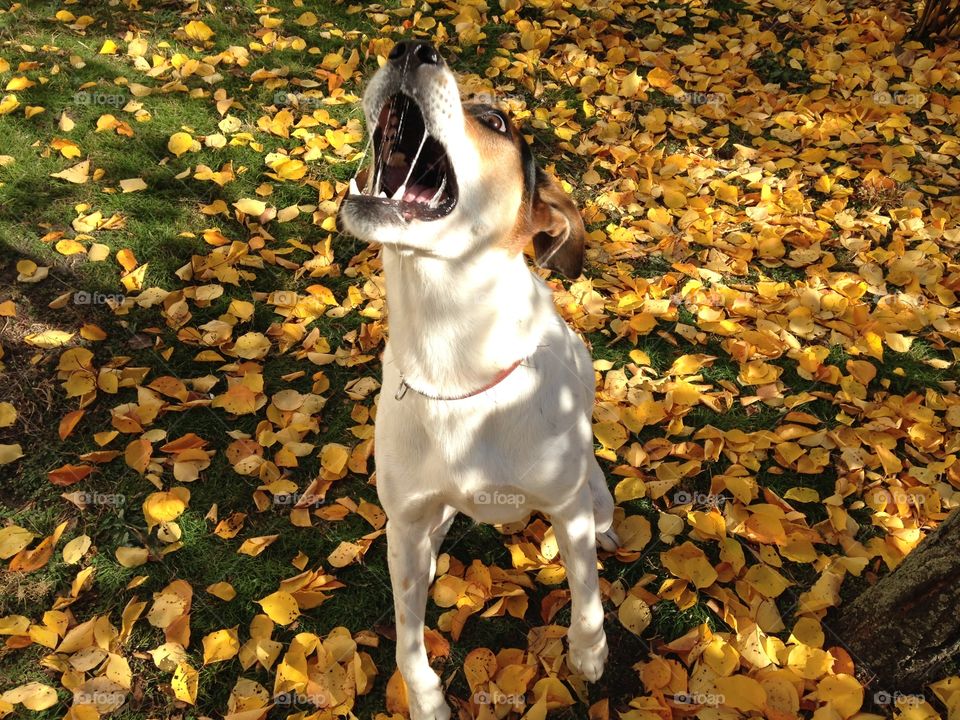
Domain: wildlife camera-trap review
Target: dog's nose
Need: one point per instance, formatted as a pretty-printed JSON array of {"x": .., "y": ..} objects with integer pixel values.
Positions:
[{"x": 410, "y": 54}]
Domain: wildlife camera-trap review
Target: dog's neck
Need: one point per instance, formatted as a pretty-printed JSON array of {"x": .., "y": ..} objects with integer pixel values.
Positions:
[{"x": 454, "y": 324}]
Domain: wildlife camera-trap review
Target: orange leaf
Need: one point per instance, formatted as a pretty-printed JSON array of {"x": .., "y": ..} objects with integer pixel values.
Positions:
[
  {"x": 69, "y": 474},
  {"x": 138, "y": 454},
  {"x": 32, "y": 560},
  {"x": 69, "y": 422},
  {"x": 127, "y": 259}
]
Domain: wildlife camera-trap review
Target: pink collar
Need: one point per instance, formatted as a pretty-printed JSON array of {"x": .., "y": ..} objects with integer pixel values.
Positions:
[{"x": 498, "y": 378}]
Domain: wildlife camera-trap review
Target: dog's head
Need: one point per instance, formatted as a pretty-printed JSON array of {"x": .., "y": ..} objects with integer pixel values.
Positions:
[{"x": 450, "y": 178}]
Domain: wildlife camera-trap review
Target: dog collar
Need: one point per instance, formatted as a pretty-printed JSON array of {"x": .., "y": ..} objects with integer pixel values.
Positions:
[{"x": 498, "y": 378}]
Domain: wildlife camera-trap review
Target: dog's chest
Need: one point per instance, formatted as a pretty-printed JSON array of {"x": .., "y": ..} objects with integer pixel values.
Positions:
[{"x": 499, "y": 454}]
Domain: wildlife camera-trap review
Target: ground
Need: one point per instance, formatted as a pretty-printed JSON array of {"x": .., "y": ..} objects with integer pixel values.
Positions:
[{"x": 190, "y": 354}]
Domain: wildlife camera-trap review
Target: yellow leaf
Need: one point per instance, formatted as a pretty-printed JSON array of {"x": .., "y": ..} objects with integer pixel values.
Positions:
[
  {"x": 198, "y": 30},
  {"x": 74, "y": 550},
  {"x": 131, "y": 557},
  {"x": 8, "y": 104},
  {"x": 281, "y": 607},
  {"x": 98, "y": 252},
  {"x": 802, "y": 494},
  {"x": 9, "y": 453},
  {"x": 634, "y": 614},
  {"x": 767, "y": 581},
  {"x": 8, "y": 414},
  {"x": 133, "y": 185},
  {"x": 610, "y": 434},
  {"x": 897, "y": 342},
  {"x": 14, "y": 625},
  {"x": 630, "y": 85},
  {"x": 741, "y": 692},
  {"x": 138, "y": 454},
  {"x": 180, "y": 143},
  {"x": 634, "y": 533},
  {"x": 256, "y": 545},
  {"x": 78, "y": 174},
  {"x": 252, "y": 346},
  {"x": 163, "y": 507},
  {"x": 307, "y": 19},
  {"x": 184, "y": 683},
  {"x": 333, "y": 457},
  {"x": 13, "y": 539},
  {"x": 344, "y": 554},
  {"x": 69, "y": 247},
  {"x": 33, "y": 696},
  {"x": 249, "y": 206},
  {"x": 134, "y": 280},
  {"x": 674, "y": 198},
  {"x": 553, "y": 692},
  {"x": 67, "y": 148},
  {"x": 659, "y": 78},
  {"x": 220, "y": 645},
  {"x": 19, "y": 83},
  {"x": 222, "y": 590},
  {"x": 689, "y": 562}
]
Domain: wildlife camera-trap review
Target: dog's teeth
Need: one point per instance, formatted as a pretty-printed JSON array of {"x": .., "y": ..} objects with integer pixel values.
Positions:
[
  {"x": 382, "y": 194},
  {"x": 435, "y": 200},
  {"x": 398, "y": 195},
  {"x": 354, "y": 190}
]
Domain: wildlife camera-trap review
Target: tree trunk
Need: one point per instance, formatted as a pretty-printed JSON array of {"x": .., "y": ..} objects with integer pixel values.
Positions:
[{"x": 906, "y": 628}]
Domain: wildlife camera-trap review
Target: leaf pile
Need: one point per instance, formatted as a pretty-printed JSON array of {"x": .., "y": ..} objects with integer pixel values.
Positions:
[{"x": 771, "y": 298}]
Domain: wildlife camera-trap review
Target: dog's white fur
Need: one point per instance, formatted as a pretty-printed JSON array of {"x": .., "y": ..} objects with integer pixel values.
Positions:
[{"x": 461, "y": 309}]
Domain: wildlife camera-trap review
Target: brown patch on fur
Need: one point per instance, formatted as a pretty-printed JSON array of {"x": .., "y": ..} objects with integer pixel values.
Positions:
[
  {"x": 502, "y": 173},
  {"x": 558, "y": 229},
  {"x": 549, "y": 219}
]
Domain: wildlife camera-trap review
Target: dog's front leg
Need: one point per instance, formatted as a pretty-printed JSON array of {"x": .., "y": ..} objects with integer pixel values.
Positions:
[
  {"x": 575, "y": 529},
  {"x": 411, "y": 553}
]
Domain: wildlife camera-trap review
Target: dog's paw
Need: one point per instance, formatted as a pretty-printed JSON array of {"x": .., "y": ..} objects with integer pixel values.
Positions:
[
  {"x": 428, "y": 704},
  {"x": 608, "y": 540},
  {"x": 588, "y": 659}
]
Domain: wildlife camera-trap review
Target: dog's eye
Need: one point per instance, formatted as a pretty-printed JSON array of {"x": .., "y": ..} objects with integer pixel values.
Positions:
[{"x": 496, "y": 120}]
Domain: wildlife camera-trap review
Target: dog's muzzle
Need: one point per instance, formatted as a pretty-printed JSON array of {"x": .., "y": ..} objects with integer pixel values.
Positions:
[{"x": 411, "y": 175}]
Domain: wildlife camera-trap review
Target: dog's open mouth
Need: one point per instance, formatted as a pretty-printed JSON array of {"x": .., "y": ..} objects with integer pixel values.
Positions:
[{"x": 410, "y": 170}]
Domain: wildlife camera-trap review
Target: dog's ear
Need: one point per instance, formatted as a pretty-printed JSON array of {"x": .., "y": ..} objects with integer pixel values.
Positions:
[{"x": 558, "y": 231}]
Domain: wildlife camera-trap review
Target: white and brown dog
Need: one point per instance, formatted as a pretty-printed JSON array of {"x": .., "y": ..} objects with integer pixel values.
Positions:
[{"x": 487, "y": 394}]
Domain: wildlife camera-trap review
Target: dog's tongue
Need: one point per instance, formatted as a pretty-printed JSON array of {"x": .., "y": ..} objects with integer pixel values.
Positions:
[{"x": 419, "y": 193}]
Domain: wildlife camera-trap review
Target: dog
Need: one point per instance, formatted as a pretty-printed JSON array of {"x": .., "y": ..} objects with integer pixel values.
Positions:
[{"x": 487, "y": 395}]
